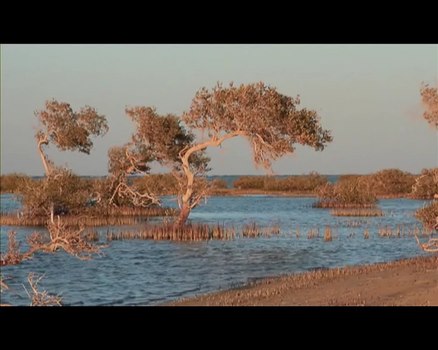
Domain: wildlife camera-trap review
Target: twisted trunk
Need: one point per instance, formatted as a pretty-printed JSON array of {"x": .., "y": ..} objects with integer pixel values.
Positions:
[
  {"x": 43, "y": 156},
  {"x": 187, "y": 202}
]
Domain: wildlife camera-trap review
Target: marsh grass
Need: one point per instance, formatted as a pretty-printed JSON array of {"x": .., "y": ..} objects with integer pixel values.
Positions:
[
  {"x": 108, "y": 217},
  {"x": 357, "y": 212}
]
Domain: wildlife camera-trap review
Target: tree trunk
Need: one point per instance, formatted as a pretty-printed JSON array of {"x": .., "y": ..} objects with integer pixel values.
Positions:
[
  {"x": 183, "y": 215},
  {"x": 187, "y": 197},
  {"x": 52, "y": 213},
  {"x": 43, "y": 158}
]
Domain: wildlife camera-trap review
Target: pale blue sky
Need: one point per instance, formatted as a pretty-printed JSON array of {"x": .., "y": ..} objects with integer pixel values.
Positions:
[{"x": 368, "y": 95}]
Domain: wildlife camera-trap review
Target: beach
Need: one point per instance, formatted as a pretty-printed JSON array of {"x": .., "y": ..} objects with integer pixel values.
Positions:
[{"x": 408, "y": 282}]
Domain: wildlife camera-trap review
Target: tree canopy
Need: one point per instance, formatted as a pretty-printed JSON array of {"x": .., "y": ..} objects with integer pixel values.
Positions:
[
  {"x": 67, "y": 129},
  {"x": 269, "y": 120},
  {"x": 429, "y": 96}
]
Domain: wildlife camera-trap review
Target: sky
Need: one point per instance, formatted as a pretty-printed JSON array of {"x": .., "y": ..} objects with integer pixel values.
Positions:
[{"x": 368, "y": 95}]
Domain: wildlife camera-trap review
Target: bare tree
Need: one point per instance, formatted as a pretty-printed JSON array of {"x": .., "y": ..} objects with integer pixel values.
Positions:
[
  {"x": 270, "y": 121},
  {"x": 429, "y": 96},
  {"x": 66, "y": 129}
]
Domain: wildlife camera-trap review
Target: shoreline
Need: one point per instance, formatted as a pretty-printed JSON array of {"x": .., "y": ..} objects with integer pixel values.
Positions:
[{"x": 406, "y": 282}]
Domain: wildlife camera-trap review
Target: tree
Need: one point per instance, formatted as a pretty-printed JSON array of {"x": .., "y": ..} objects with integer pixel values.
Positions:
[
  {"x": 429, "y": 96},
  {"x": 66, "y": 129},
  {"x": 429, "y": 214},
  {"x": 60, "y": 192},
  {"x": 123, "y": 161},
  {"x": 270, "y": 121}
]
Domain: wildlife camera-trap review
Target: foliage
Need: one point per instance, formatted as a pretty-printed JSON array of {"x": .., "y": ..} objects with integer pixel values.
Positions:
[
  {"x": 353, "y": 192},
  {"x": 426, "y": 185},
  {"x": 61, "y": 192},
  {"x": 428, "y": 215},
  {"x": 429, "y": 96},
  {"x": 301, "y": 183},
  {"x": 250, "y": 183},
  {"x": 160, "y": 184},
  {"x": 219, "y": 184},
  {"x": 66, "y": 129},
  {"x": 70, "y": 130},
  {"x": 11, "y": 183},
  {"x": 391, "y": 182},
  {"x": 270, "y": 121}
]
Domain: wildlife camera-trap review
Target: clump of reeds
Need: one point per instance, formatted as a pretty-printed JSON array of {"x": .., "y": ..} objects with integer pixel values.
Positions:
[
  {"x": 252, "y": 230},
  {"x": 366, "y": 234},
  {"x": 190, "y": 232},
  {"x": 137, "y": 211},
  {"x": 328, "y": 234},
  {"x": 195, "y": 232},
  {"x": 335, "y": 205},
  {"x": 127, "y": 216},
  {"x": 357, "y": 212},
  {"x": 312, "y": 233}
]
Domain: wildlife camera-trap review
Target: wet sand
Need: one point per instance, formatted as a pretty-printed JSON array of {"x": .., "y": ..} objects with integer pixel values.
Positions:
[{"x": 411, "y": 282}]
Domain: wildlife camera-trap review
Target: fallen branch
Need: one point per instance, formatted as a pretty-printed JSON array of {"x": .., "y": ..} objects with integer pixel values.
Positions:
[{"x": 40, "y": 298}]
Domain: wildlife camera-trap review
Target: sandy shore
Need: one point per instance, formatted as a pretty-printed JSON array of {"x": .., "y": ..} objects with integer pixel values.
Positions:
[{"x": 404, "y": 282}]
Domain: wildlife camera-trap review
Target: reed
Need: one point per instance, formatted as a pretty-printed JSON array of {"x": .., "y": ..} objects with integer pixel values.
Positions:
[
  {"x": 107, "y": 217},
  {"x": 252, "y": 230},
  {"x": 357, "y": 212},
  {"x": 366, "y": 234},
  {"x": 312, "y": 233},
  {"x": 195, "y": 232},
  {"x": 190, "y": 232},
  {"x": 14, "y": 220},
  {"x": 328, "y": 234}
]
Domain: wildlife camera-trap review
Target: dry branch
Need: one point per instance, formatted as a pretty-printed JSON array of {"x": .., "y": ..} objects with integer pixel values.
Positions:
[{"x": 40, "y": 298}]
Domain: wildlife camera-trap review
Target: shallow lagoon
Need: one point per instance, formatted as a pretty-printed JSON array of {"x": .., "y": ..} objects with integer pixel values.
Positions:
[{"x": 150, "y": 272}]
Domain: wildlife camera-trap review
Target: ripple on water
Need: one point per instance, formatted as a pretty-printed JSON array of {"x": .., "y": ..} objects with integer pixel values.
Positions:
[{"x": 148, "y": 272}]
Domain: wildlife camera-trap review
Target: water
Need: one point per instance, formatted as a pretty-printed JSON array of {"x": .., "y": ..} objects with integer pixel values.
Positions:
[{"x": 151, "y": 272}]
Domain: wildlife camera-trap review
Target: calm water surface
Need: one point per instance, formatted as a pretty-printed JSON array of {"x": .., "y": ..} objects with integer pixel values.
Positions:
[{"x": 151, "y": 272}]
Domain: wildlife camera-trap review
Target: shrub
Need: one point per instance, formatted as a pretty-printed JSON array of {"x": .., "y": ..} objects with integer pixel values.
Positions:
[
  {"x": 391, "y": 182},
  {"x": 62, "y": 191},
  {"x": 219, "y": 184},
  {"x": 250, "y": 182},
  {"x": 353, "y": 192},
  {"x": 428, "y": 215},
  {"x": 11, "y": 183},
  {"x": 426, "y": 184},
  {"x": 159, "y": 184},
  {"x": 300, "y": 183}
]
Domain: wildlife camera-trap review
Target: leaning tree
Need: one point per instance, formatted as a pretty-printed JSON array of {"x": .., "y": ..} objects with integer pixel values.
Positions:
[
  {"x": 67, "y": 129},
  {"x": 60, "y": 190},
  {"x": 271, "y": 122}
]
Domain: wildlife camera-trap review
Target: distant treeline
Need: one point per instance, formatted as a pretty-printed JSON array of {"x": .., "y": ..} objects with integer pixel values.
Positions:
[{"x": 358, "y": 188}]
